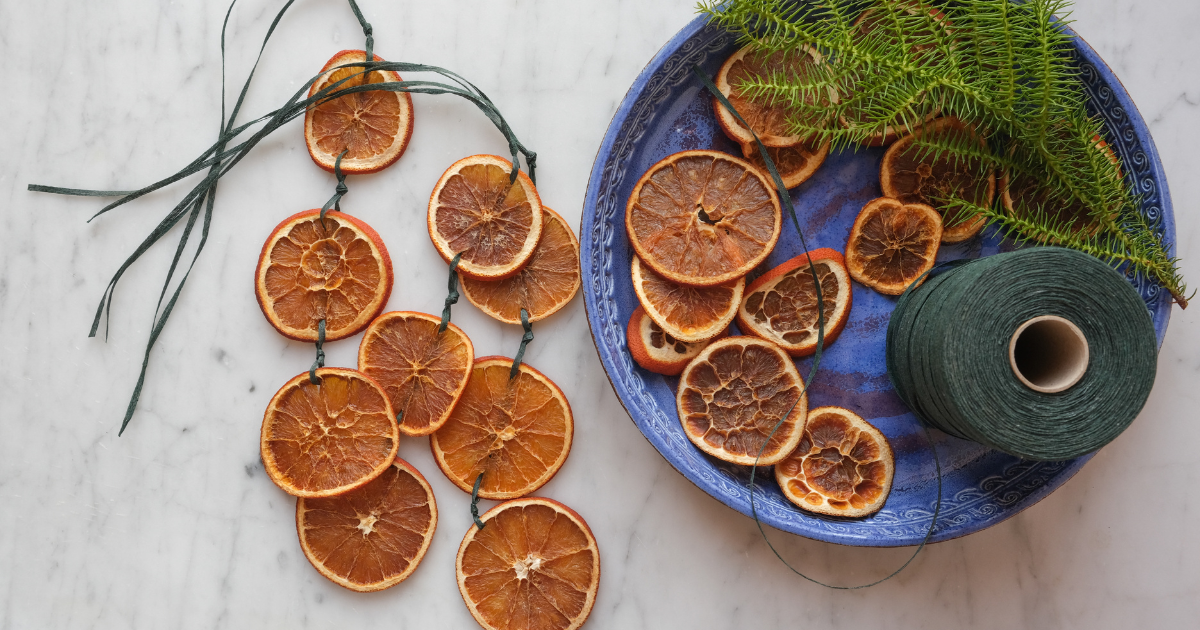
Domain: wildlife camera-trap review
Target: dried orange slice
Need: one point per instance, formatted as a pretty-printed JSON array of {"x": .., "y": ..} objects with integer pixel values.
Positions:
[
  {"x": 422, "y": 372},
  {"x": 689, "y": 314},
  {"x": 337, "y": 270},
  {"x": 655, "y": 349},
  {"x": 374, "y": 537},
  {"x": 325, "y": 439},
  {"x": 795, "y": 163},
  {"x": 1022, "y": 195},
  {"x": 769, "y": 120},
  {"x": 372, "y": 127},
  {"x": 517, "y": 432},
  {"x": 842, "y": 467},
  {"x": 733, "y": 394},
  {"x": 892, "y": 243},
  {"x": 912, "y": 174},
  {"x": 543, "y": 286},
  {"x": 702, "y": 217},
  {"x": 781, "y": 305},
  {"x": 476, "y": 212},
  {"x": 534, "y": 566}
]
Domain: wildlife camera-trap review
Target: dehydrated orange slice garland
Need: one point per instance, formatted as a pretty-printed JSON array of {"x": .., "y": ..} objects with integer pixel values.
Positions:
[
  {"x": 655, "y": 349},
  {"x": 373, "y": 128},
  {"x": 702, "y": 218},
  {"x": 374, "y": 537},
  {"x": 517, "y": 431},
  {"x": 534, "y": 566},
  {"x": 543, "y": 286},
  {"x": 689, "y": 314},
  {"x": 475, "y": 211},
  {"x": 336, "y": 269},
  {"x": 843, "y": 465},
  {"x": 422, "y": 371},
  {"x": 911, "y": 173},
  {"x": 734, "y": 393},
  {"x": 892, "y": 244},
  {"x": 781, "y": 305},
  {"x": 325, "y": 439}
]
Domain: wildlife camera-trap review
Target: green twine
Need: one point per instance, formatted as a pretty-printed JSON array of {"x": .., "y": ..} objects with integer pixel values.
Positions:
[
  {"x": 219, "y": 158},
  {"x": 786, "y": 199},
  {"x": 339, "y": 191},
  {"x": 320, "y": 361},
  {"x": 452, "y": 293},
  {"x": 475, "y": 501},
  {"x": 525, "y": 339},
  {"x": 948, "y": 352}
]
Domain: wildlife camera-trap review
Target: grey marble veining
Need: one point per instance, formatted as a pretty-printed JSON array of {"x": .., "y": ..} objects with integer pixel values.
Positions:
[{"x": 176, "y": 525}]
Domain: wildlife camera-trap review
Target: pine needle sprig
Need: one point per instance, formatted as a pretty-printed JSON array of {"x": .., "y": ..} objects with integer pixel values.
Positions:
[{"x": 1005, "y": 68}]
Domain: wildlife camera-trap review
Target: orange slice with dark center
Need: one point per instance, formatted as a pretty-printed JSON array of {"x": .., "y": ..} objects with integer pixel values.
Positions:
[
  {"x": 781, "y": 306},
  {"x": 517, "y": 432},
  {"x": 795, "y": 164},
  {"x": 373, "y": 128},
  {"x": 422, "y": 371},
  {"x": 842, "y": 467},
  {"x": 655, "y": 349},
  {"x": 770, "y": 120},
  {"x": 702, "y": 218},
  {"x": 914, "y": 173},
  {"x": 337, "y": 270},
  {"x": 374, "y": 537},
  {"x": 1023, "y": 196},
  {"x": 476, "y": 212},
  {"x": 534, "y": 566},
  {"x": 543, "y": 286},
  {"x": 892, "y": 244},
  {"x": 734, "y": 393},
  {"x": 689, "y": 314},
  {"x": 325, "y": 439}
]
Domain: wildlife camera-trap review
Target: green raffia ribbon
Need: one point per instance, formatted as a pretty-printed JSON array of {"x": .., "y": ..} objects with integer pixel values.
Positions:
[
  {"x": 320, "y": 360},
  {"x": 948, "y": 352},
  {"x": 525, "y": 339},
  {"x": 475, "y": 501},
  {"x": 786, "y": 199},
  {"x": 451, "y": 293},
  {"x": 339, "y": 191},
  {"x": 231, "y": 147}
]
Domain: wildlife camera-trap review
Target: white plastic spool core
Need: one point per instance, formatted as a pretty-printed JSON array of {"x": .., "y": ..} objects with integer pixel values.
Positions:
[{"x": 1048, "y": 354}]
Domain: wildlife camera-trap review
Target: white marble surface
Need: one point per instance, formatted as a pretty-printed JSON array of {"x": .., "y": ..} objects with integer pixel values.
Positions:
[{"x": 175, "y": 524}]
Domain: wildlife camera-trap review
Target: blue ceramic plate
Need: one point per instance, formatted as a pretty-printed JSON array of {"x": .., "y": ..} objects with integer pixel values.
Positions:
[{"x": 667, "y": 110}]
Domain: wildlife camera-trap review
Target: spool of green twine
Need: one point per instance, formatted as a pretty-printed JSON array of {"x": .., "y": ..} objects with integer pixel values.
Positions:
[{"x": 1043, "y": 353}]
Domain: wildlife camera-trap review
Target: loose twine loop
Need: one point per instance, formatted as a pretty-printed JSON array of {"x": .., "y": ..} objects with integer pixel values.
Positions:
[{"x": 786, "y": 199}]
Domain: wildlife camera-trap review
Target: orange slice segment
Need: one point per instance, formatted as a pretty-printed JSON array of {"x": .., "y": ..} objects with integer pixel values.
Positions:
[
  {"x": 769, "y": 120},
  {"x": 689, "y": 314},
  {"x": 910, "y": 173},
  {"x": 517, "y": 432},
  {"x": 733, "y": 394},
  {"x": 781, "y": 306},
  {"x": 702, "y": 218},
  {"x": 795, "y": 163},
  {"x": 534, "y": 566},
  {"x": 843, "y": 466},
  {"x": 1023, "y": 195},
  {"x": 372, "y": 127},
  {"x": 326, "y": 439},
  {"x": 892, "y": 243},
  {"x": 374, "y": 537},
  {"x": 543, "y": 286},
  {"x": 476, "y": 212},
  {"x": 422, "y": 372},
  {"x": 655, "y": 349},
  {"x": 337, "y": 270}
]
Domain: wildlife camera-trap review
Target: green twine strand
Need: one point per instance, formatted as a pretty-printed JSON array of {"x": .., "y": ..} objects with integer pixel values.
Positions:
[
  {"x": 231, "y": 147},
  {"x": 452, "y": 293},
  {"x": 786, "y": 199},
  {"x": 948, "y": 343},
  {"x": 525, "y": 339},
  {"x": 320, "y": 361},
  {"x": 339, "y": 191},
  {"x": 475, "y": 501}
]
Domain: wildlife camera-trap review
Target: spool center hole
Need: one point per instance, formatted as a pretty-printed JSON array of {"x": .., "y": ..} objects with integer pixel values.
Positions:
[{"x": 1049, "y": 354}]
